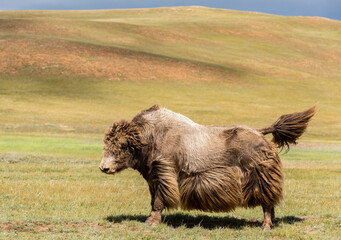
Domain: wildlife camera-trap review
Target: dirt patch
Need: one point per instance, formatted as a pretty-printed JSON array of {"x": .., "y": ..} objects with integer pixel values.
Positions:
[
  {"x": 61, "y": 57},
  {"x": 6, "y": 226},
  {"x": 58, "y": 27}
]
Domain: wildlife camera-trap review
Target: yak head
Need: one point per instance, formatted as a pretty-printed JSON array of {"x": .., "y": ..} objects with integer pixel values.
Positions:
[{"x": 122, "y": 142}]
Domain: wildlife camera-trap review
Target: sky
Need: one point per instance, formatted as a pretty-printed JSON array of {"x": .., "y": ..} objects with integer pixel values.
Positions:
[{"x": 322, "y": 8}]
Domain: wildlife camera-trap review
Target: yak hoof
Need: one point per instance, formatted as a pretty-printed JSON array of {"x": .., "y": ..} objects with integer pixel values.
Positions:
[
  {"x": 151, "y": 222},
  {"x": 266, "y": 227}
]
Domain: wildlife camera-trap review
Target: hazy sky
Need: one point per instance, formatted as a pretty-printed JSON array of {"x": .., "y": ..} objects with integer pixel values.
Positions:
[{"x": 322, "y": 8}]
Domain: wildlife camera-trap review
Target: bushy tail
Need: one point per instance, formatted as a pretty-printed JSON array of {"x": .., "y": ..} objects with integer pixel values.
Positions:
[{"x": 288, "y": 128}]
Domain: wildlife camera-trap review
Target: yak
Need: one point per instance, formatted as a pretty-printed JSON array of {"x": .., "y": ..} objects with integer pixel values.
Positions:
[{"x": 213, "y": 168}]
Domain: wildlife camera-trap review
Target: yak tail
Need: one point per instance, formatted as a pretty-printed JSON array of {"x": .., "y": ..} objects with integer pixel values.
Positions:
[{"x": 289, "y": 127}]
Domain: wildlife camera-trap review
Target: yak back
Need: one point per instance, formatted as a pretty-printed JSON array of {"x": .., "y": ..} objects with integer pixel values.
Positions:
[{"x": 195, "y": 148}]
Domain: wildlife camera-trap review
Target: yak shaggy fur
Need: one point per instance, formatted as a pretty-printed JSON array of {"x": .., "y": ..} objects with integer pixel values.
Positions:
[{"x": 210, "y": 168}]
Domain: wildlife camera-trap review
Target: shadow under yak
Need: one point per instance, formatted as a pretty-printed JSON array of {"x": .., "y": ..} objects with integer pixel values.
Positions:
[{"x": 207, "y": 222}]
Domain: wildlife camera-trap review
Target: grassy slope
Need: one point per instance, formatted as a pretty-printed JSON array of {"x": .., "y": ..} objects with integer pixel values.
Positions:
[
  {"x": 66, "y": 75},
  {"x": 213, "y": 65}
]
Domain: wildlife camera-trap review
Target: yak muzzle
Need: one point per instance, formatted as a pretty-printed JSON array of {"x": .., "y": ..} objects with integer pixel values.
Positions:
[
  {"x": 107, "y": 170},
  {"x": 107, "y": 166}
]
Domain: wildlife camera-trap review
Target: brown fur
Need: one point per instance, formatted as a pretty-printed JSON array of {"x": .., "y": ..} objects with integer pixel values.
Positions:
[
  {"x": 210, "y": 168},
  {"x": 216, "y": 189},
  {"x": 289, "y": 127},
  {"x": 164, "y": 178},
  {"x": 262, "y": 183}
]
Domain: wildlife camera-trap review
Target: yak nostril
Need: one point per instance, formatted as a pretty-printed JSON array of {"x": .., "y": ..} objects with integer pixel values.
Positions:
[{"x": 105, "y": 169}]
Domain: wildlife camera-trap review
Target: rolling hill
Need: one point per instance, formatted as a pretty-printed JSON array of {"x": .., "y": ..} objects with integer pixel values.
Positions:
[
  {"x": 72, "y": 68},
  {"x": 184, "y": 44}
]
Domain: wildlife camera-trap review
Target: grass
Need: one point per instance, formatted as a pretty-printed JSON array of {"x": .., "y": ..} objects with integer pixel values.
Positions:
[
  {"x": 78, "y": 71},
  {"x": 69, "y": 198},
  {"x": 57, "y": 146},
  {"x": 84, "y": 106}
]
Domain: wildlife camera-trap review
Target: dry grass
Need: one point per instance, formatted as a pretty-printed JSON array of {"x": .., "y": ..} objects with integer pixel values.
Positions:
[{"x": 70, "y": 198}]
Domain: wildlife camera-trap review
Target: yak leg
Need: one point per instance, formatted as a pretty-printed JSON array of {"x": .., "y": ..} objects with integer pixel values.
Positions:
[
  {"x": 267, "y": 218},
  {"x": 157, "y": 207},
  {"x": 273, "y": 214},
  {"x": 163, "y": 188}
]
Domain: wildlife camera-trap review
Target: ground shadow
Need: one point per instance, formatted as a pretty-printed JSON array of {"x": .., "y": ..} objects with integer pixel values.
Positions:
[{"x": 204, "y": 221}]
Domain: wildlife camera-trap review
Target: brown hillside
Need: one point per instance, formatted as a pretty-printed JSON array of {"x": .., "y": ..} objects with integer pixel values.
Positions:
[
  {"x": 55, "y": 56},
  {"x": 169, "y": 44}
]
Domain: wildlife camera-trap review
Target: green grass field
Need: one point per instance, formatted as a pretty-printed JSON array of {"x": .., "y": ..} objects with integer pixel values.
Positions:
[
  {"x": 65, "y": 76},
  {"x": 47, "y": 196}
]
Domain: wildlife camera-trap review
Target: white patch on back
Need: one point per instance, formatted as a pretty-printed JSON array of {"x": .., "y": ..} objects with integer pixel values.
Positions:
[
  {"x": 198, "y": 141},
  {"x": 168, "y": 116}
]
